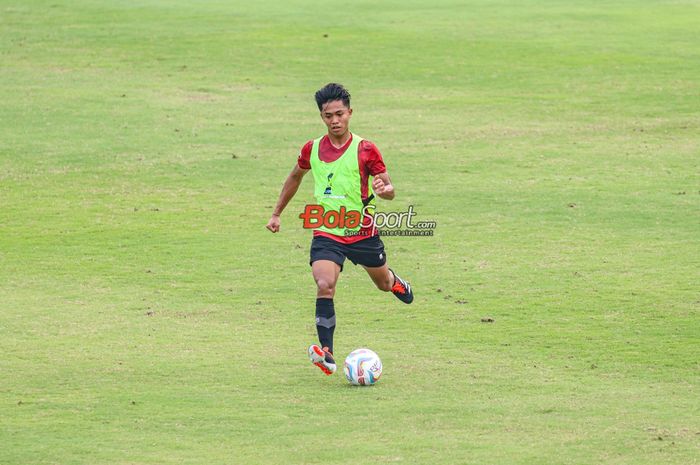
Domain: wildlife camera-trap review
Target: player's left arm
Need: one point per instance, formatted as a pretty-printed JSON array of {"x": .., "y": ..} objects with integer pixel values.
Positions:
[
  {"x": 374, "y": 163},
  {"x": 382, "y": 186}
]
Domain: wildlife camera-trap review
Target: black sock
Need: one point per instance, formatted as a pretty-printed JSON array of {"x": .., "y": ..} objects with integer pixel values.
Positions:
[{"x": 325, "y": 322}]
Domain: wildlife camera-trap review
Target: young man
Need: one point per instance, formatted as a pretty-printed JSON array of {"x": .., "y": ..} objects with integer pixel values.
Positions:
[{"x": 341, "y": 163}]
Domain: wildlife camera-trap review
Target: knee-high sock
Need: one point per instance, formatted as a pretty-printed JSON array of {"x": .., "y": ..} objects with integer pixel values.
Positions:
[{"x": 325, "y": 322}]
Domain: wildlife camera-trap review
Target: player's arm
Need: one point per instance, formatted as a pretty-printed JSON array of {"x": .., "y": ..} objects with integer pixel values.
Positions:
[
  {"x": 382, "y": 186},
  {"x": 291, "y": 185}
]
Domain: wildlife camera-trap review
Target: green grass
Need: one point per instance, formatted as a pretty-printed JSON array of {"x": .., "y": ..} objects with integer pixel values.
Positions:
[{"x": 143, "y": 145}]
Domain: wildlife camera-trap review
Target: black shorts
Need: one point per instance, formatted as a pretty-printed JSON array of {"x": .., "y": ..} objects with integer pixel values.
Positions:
[{"x": 368, "y": 252}]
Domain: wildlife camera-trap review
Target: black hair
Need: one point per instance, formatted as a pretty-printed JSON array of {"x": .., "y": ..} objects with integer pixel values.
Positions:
[{"x": 331, "y": 92}]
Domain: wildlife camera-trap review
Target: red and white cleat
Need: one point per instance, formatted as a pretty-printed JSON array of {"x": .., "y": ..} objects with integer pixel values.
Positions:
[{"x": 322, "y": 358}]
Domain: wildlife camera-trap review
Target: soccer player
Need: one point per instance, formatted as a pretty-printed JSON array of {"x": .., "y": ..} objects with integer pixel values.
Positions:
[{"x": 341, "y": 163}]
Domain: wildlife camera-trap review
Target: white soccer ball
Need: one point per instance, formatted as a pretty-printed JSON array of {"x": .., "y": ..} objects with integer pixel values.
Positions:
[{"x": 363, "y": 367}]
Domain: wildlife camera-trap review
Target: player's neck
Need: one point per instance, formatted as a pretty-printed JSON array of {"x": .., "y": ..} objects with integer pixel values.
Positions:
[{"x": 339, "y": 141}]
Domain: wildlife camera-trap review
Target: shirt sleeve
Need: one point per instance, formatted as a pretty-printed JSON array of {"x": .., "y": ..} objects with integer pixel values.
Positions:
[
  {"x": 304, "y": 160},
  {"x": 372, "y": 158}
]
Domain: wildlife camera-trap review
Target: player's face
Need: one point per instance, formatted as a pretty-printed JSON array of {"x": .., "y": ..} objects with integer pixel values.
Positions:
[{"x": 337, "y": 117}]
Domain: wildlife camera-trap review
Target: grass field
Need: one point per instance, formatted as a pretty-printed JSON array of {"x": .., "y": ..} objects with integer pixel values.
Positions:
[{"x": 147, "y": 316}]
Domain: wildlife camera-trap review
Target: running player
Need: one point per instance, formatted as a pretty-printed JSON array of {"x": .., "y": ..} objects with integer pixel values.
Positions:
[{"x": 341, "y": 163}]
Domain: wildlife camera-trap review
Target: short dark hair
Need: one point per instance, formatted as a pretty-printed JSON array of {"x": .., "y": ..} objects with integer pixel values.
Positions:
[{"x": 331, "y": 92}]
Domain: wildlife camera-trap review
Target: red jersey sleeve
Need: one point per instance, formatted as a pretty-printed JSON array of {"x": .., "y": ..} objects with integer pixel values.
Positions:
[
  {"x": 371, "y": 158},
  {"x": 304, "y": 160}
]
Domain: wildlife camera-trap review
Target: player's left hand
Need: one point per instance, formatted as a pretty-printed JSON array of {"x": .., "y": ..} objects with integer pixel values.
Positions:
[{"x": 380, "y": 188}]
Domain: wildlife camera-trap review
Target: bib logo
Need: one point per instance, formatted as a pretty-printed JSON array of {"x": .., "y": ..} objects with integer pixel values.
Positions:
[
  {"x": 329, "y": 185},
  {"x": 365, "y": 222}
]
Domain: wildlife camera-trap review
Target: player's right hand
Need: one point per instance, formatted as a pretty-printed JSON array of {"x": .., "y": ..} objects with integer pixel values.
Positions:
[{"x": 274, "y": 224}]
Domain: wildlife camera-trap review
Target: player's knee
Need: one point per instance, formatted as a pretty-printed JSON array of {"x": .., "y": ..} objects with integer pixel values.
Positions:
[{"x": 325, "y": 287}]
